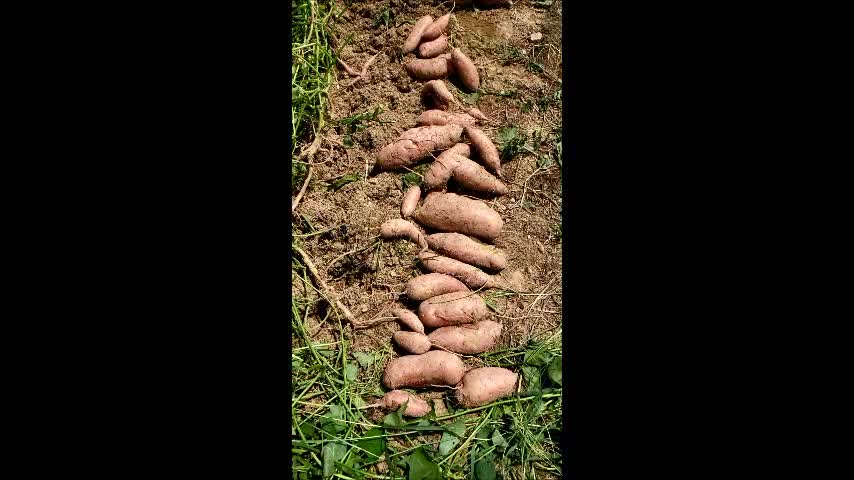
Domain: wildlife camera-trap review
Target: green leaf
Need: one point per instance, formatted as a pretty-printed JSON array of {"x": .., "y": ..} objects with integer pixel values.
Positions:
[
  {"x": 349, "y": 178},
  {"x": 394, "y": 419},
  {"x": 375, "y": 446},
  {"x": 484, "y": 470},
  {"x": 498, "y": 439},
  {"x": 556, "y": 370},
  {"x": 421, "y": 467},
  {"x": 532, "y": 377},
  {"x": 351, "y": 371},
  {"x": 364, "y": 359},
  {"x": 330, "y": 424},
  {"x": 538, "y": 358},
  {"x": 447, "y": 443},
  {"x": 458, "y": 427},
  {"x": 332, "y": 452},
  {"x": 358, "y": 401},
  {"x": 410, "y": 179}
]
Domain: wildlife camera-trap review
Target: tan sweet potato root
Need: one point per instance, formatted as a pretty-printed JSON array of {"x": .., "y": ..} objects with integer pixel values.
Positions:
[
  {"x": 452, "y": 309},
  {"x": 485, "y": 149},
  {"x": 481, "y": 386},
  {"x": 415, "y": 407},
  {"x": 438, "y": 117},
  {"x": 468, "y": 250},
  {"x": 430, "y": 69},
  {"x": 436, "y": 94},
  {"x": 465, "y": 69},
  {"x": 416, "y": 33},
  {"x": 441, "y": 169},
  {"x": 435, "y": 367},
  {"x": 399, "y": 228},
  {"x": 438, "y": 27},
  {"x": 408, "y": 319},
  {"x": 412, "y": 342},
  {"x": 449, "y": 212},
  {"x": 472, "y": 276},
  {"x": 410, "y": 201},
  {"x": 472, "y": 176},
  {"x": 433, "y": 47},
  {"x": 467, "y": 339},
  {"x": 432, "y": 285},
  {"x": 474, "y": 112},
  {"x": 415, "y": 143}
]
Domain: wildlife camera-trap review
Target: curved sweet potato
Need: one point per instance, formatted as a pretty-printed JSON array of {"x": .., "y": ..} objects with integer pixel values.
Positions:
[
  {"x": 441, "y": 169},
  {"x": 431, "y": 285},
  {"x": 408, "y": 319},
  {"x": 436, "y": 94},
  {"x": 410, "y": 201},
  {"x": 467, "y": 339},
  {"x": 474, "y": 112},
  {"x": 416, "y": 33},
  {"x": 431, "y": 68},
  {"x": 438, "y": 117},
  {"x": 412, "y": 342},
  {"x": 399, "y": 228},
  {"x": 438, "y": 27},
  {"x": 465, "y": 69},
  {"x": 468, "y": 250},
  {"x": 468, "y": 274},
  {"x": 415, "y": 143},
  {"x": 449, "y": 212},
  {"x": 472, "y": 176},
  {"x": 432, "y": 368},
  {"x": 485, "y": 149},
  {"x": 415, "y": 407},
  {"x": 452, "y": 309},
  {"x": 484, "y": 385},
  {"x": 433, "y": 47}
]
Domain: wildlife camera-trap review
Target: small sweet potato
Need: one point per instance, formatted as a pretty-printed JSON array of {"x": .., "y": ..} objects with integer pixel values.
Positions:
[
  {"x": 468, "y": 250},
  {"x": 415, "y": 143},
  {"x": 484, "y": 385},
  {"x": 467, "y": 339},
  {"x": 435, "y": 367},
  {"x": 412, "y": 342},
  {"x": 465, "y": 69},
  {"x": 438, "y": 117},
  {"x": 416, "y": 33},
  {"x": 472, "y": 176},
  {"x": 441, "y": 169},
  {"x": 436, "y": 94},
  {"x": 430, "y": 68},
  {"x": 409, "y": 319},
  {"x": 399, "y": 228},
  {"x": 452, "y": 309},
  {"x": 449, "y": 212},
  {"x": 433, "y": 47},
  {"x": 474, "y": 112},
  {"x": 485, "y": 149},
  {"x": 410, "y": 201},
  {"x": 438, "y": 27},
  {"x": 468, "y": 274},
  {"x": 431, "y": 285},
  {"x": 415, "y": 407}
]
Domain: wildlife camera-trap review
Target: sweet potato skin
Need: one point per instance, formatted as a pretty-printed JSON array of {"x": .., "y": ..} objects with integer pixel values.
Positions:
[
  {"x": 414, "y": 408},
  {"x": 467, "y": 339},
  {"x": 452, "y": 309},
  {"x": 474, "y": 112},
  {"x": 436, "y": 94},
  {"x": 485, "y": 149},
  {"x": 465, "y": 69},
  {"x": 408, "y": 319},
  {"x": 439, "y": 117},
  {"x": 430, "y": 69},
  {"x": 481, "y": 386},
  {"x": 399, "y": 228},
  {"x": 472, "y": 176},
  {"x": 415, "y": 143},
  {"x": 449, "y": 212},
  {"x": 432, "y": 368},
  {"x": 410, "y": 201},
  {"x": 416, "y": 33},
  {"x": 431, "y": 285},
  {"x": 468, "y": 250},
  {"x": 433, "y": 47},
  {"x": 412, "y": 342},
  {"x": 441, "y": 169},
  {"x": 472, "y": 276},
  {"x": 438, "y": 27}
]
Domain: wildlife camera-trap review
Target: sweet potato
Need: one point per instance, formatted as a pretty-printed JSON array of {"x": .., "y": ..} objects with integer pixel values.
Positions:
[
  {"x": 474, "y": 112},
  {"x": 416, "y": 33},
  {"x": 467, "y": 339},
  {"x": 472, "y": 176},
  {"x": 430, "y": 68},
  {"x": 468, "y": 274},
  {"x": 409, "y": 319},
  {"x": 433, "y": 47},
  {"x": 452, "y": 309},
  {"x": 485, "y": 149},
  {"x": 484, "y": 385},
  {"x": 438, "y": 117},
  {"x": 432, "y": 368},
  {"x": 412, "y": 342},
  {"x": 410, "y": 201},
  {"x": 431, "y": 285},
  {"x": 436, "y": 94},
  {"x": 449, "y": 212},
  {"x": 415, "y": 143},
  {"x": 468, "y": 250},
  {"x": 415, "y": 407},
  {"x": 441, "y": 169},
  {"x": 399, "y": 228},
  {"x": 465, "y": 69},
  {"x": 438, "y": 27}
]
